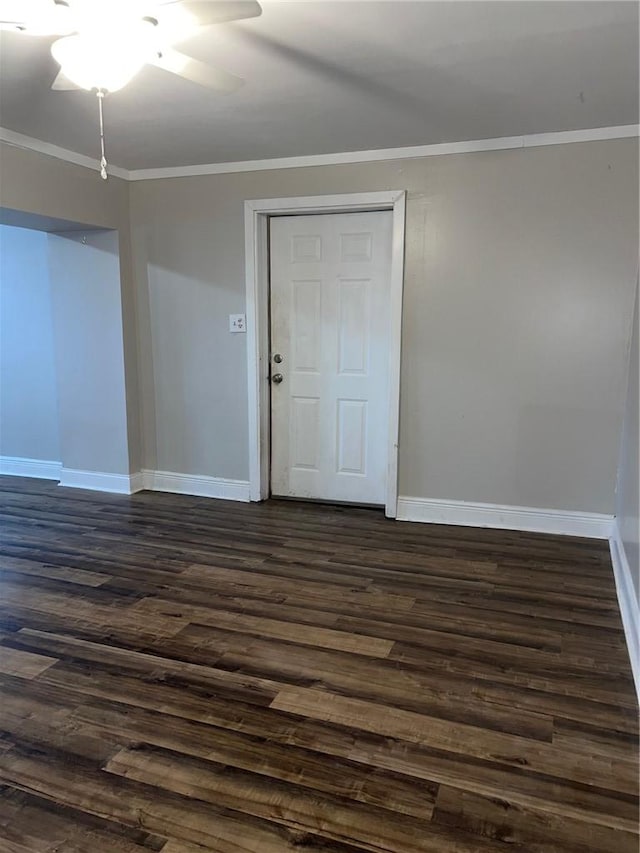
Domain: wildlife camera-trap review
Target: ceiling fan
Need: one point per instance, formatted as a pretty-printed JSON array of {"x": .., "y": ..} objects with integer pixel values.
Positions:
[{"x": 103, "y": 44}]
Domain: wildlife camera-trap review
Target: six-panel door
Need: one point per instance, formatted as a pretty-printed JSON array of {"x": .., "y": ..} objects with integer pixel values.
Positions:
[{"x": 330, "y": 278}]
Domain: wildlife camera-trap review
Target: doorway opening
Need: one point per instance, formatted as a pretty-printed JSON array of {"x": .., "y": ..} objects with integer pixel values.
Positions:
[
  {"x": 354, "y": 324},
  {"x": 63, "y": 412}
]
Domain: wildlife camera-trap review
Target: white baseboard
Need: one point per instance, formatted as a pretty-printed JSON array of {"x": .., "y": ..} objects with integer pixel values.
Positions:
[
  {"x": 629, "y": 609},
  {"x": 127, "y": 484},
  {"x": 196, "y": 484},
  {"x": 137, "y": 482},
  {"x": 99, "y": 481},
  {"x": 590, "y": 525},
  {"x": 19, "y": 466}
]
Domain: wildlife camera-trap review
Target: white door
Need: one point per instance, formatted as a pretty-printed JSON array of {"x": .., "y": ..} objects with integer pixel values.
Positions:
[{"x": 330, "y": 299}]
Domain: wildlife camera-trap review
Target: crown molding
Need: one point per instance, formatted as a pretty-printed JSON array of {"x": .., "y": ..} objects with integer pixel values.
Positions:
[
  {"x": 29, "y": 143},
  {"x": 378, "y": 154},
  {"x": 502, "y": 143}
]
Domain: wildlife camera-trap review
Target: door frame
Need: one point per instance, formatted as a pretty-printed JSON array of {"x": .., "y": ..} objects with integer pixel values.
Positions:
[{"x": 256, "y": 225}]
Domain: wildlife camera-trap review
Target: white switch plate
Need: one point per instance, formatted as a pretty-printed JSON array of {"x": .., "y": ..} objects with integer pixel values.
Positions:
[{"x": 237, "y": 323}]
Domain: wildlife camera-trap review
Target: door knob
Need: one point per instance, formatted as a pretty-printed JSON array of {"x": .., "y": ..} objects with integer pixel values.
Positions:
[
  {"x": 278, "y": 358},
  {"x": 277, "y": 378}
]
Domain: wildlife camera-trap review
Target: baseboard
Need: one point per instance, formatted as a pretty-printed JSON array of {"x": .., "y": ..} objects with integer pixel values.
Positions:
[
  {"x": 628, "y": 602},
  {"x": 127, "y": 484},
  {"x": 589, "y": 525},
  {"x": 100, "y": 481},
  {"x": 137, "y": 482},
  {"x": 19, "y": 466},
  {"x": 196, "y": 484}
]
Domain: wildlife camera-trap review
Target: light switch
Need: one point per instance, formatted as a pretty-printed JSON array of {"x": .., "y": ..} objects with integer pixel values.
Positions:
[{"x": 237, "y": 323}]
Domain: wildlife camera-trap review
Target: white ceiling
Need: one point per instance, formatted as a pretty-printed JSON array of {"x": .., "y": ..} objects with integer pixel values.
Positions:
[{"x": 325, "y": 77}]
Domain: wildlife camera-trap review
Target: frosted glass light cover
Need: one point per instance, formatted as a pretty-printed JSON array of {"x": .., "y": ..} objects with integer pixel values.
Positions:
[{"x": 94, "y": 63}]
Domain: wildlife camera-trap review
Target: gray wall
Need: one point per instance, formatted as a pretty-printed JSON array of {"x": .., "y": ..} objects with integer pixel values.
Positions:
[
  {"x": 28, "y": 396},
  {"x": 520, "y": 269},
  {"x": 520, "y": 272},
  {"x": 87, "y": 317},
  {"x": 627, "y": 497},
  {"x": 36, "y": 183},
  {"x": 33, "y": 183}
]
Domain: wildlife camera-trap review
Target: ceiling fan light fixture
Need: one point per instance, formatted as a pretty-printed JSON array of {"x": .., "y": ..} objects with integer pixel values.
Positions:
[{"x": 94, "y": 63}]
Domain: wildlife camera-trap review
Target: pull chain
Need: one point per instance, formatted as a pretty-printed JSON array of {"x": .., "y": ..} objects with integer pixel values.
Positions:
[{"x": 103, "y": 159}]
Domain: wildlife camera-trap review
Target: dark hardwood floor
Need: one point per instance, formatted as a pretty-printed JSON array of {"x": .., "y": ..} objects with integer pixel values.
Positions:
[{"x": 189, "y": 675}]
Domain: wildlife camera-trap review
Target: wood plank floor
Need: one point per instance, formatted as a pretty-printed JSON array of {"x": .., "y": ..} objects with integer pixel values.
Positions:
[{"x": 189, "y": 675}]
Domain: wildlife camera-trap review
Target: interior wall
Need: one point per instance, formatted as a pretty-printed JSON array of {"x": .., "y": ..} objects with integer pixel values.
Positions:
[
  {"x": 520, "y": 269},
  {"x": 628, "y": 492},
  {"x": 28, "y": 393},
  {"x": 87, "y": 318},
  {"x": 40, "y": 186}
]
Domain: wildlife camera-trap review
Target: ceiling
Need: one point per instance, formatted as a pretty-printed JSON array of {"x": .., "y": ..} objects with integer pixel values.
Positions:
[{"x": 325, "y": 77}]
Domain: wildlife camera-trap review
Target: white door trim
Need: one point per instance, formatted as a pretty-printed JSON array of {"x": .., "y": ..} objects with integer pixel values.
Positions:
[{"x": 256, "y": 216}]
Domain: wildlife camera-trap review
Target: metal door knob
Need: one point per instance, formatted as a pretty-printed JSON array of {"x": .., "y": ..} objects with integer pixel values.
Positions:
[
  {"x": 277, "y": 378},
  {"x": 278, "y": 358}
]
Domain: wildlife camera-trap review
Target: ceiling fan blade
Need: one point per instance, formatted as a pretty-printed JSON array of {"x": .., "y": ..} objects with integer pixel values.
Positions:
[
  {"x": 208, "y": 12},
  {"x": 198, "y": 72},
  {"x": 13, "y": 26},
  {"x": 52, "y": 18},
  {"x": 63, "y": 84}
]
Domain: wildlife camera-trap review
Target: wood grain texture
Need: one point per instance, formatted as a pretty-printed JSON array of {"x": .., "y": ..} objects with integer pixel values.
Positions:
[
  {"x": 26, "y": 664},
  {"x": 188, "y": 675}
]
